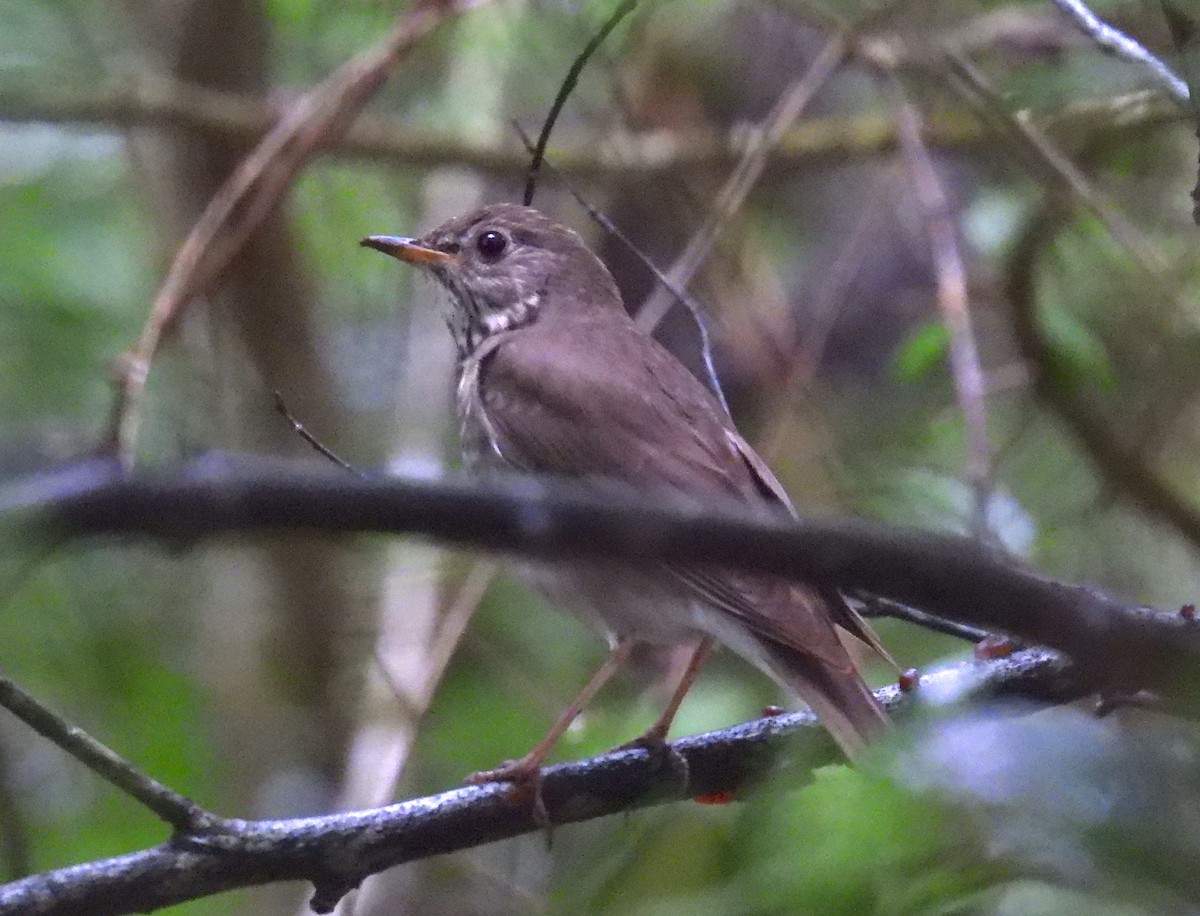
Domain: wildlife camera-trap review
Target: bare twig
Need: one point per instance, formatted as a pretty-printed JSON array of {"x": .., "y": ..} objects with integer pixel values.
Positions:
[
  {"x": 253, "y": 192},
  {"x": 787, "y": 110},
  {"x": 790, "y": 106},
  {"x": 713, "y": 382},
  {"x": 1058, "y": 171},
  {"x": 568, "y": 84},
  {"x": 336, "y": 852},
  {"x": 1117, "y": 43},
  {"x": 952, "y": 299},
  {"x": 180, "y": 812},
  {"x": 302, "y": 431},
  {"x": 880, "y": 607}
]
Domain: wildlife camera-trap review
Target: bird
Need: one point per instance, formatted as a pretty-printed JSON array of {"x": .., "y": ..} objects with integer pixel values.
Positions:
[{"x": 555, "y": 379}]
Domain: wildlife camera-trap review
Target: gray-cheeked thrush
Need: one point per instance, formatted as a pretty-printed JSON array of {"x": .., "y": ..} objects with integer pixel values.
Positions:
[{"x": 554, "y": 378}]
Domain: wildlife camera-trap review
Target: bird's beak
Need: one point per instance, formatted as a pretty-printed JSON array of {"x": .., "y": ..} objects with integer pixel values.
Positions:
[{"x": 408, "y": 250}]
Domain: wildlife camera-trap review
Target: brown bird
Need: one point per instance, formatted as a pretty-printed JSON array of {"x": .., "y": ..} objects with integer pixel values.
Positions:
[{"x": 555, "y": 378}]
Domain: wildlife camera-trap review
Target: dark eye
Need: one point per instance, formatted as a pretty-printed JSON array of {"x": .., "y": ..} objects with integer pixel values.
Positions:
[{"x": 491, "y": 244}]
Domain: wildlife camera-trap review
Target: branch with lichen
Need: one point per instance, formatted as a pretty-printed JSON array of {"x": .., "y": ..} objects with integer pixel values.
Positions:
[{"x": 336, "y": 852}]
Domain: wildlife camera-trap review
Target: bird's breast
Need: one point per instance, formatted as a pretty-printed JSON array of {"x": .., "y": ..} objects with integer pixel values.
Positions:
[{"x": 481, "y": 450}]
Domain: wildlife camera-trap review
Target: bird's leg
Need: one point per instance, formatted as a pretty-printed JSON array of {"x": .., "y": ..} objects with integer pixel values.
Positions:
[
  {"x": 654, "y": 739},
  {"x": 656, "y": 734},
  {"x": 527, "y": 770}
]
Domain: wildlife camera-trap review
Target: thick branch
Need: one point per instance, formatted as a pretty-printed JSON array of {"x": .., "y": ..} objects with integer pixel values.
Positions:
[
  {"x": 944, "y": 575},
  {"x": 337, "y": 851}
]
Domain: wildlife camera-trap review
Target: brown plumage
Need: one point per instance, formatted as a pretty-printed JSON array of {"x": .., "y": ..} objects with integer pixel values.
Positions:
[{"x": 555, "y": 378}]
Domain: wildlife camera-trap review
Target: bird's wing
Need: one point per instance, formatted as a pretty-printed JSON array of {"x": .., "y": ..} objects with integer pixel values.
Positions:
[
  {"x": 554, "y": 405},
  {"x": 843, "y": 615}
]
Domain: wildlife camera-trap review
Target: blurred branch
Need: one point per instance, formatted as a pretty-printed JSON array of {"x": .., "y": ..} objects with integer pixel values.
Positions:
[
  {"x": 1123, "y": 466},
  {"x": 1117, "y": 43},
  {"x": 145, "y": 101},
  {"x": 944, "y": 575},
  {"x": 787, "y": 109},
  {"x": 937, "y": 218},
  {"x": 14, "y": 828},
  {"x": 336, "y": 852},
  {"x": 254, "y": 190},
  {"x": 791, "y": 104},
  {"x": 1055, "y": 169}
]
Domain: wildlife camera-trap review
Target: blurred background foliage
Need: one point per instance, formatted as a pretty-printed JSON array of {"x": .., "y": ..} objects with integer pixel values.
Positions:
[{"x": 296, "y": 675}]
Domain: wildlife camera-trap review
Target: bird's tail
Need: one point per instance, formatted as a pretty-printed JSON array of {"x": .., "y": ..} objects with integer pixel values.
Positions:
[{"x": 843, "y": 702}]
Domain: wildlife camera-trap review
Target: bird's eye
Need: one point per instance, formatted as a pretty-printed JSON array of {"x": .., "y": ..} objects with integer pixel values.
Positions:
[{"x": 491, "y": 244}]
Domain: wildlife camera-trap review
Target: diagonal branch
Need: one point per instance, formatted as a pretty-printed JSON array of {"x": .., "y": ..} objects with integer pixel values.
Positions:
[
  {"x": 790, "y": 106},
  {"x": 252, "y": 193},
  {"x": 177, "y": 810},
  {"x": 1122, "y": 466},
  {"x": 952, "y": 299},
  {"x": 1117, "y": 43},
  {"x": 1060, "y": 175}
]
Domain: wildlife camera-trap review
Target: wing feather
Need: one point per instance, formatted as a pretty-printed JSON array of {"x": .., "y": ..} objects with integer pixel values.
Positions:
[{"x": 554, "y": 405}]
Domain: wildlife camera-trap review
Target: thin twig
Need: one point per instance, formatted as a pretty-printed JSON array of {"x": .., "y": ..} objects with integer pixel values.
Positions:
[
  {"x": 952, "y": 299},
  {"x": 713, "y": 381},
  {"x": 180, "y": 812},
  {"x": 873, "y": 606},
  {"x": 568, "y": 84},
  {"x": 302, "y": 431},
  {"x": 1059, "y": 171},
  {"x": 1117, "y": 43},
  {"x": 790, "y": 106},
  {"x": 253, "y": 192}
]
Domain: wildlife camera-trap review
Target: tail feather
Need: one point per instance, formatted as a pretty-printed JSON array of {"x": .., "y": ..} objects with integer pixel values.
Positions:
[{"x": 842, "y": 701}]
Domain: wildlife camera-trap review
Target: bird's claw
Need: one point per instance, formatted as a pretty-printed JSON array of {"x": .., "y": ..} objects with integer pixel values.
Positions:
[
  {"x": 524, "y": 780},
  {"x": 656, "y": 745}
]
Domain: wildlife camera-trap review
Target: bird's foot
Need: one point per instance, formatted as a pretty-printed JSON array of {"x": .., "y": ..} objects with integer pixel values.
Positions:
[
  {"x": 654, "y": 742},
  {"x": 524, "y": 779}
]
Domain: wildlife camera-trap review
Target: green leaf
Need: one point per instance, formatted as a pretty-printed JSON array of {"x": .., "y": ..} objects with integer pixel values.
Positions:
[
  {"x": 925, "y": 348},
  {"x": 1079, "y": 358}
]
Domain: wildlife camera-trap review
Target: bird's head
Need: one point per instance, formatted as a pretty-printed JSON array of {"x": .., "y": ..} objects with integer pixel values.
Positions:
[{"x": 505, "y": 267}]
